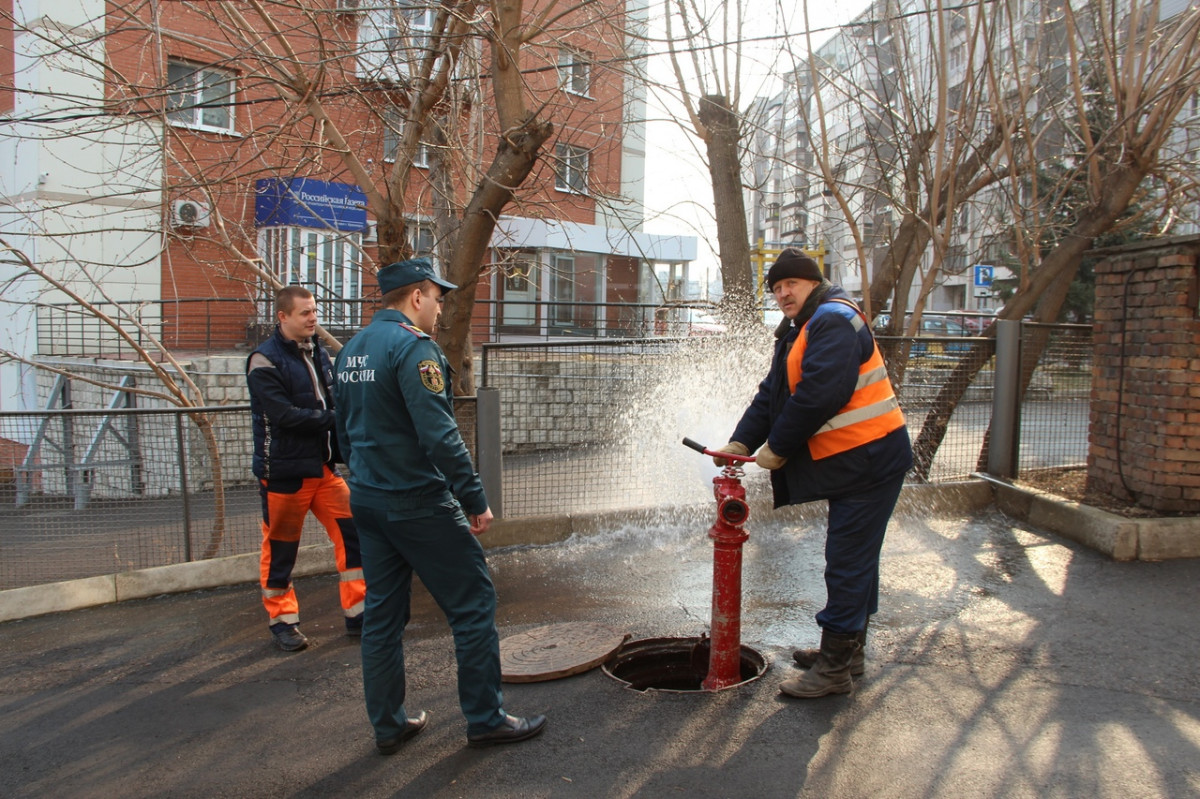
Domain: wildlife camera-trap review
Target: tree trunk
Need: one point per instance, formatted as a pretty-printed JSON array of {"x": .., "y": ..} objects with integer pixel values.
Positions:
[
  {"x": 515, "y": 159},
  {"x": 722, "y": 143},
  {"x": 1060, "y": 264},
  {"x": 203, "y": 422}
]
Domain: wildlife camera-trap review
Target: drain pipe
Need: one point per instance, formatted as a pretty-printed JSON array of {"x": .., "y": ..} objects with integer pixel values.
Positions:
[{"x": 725, "y": 645}]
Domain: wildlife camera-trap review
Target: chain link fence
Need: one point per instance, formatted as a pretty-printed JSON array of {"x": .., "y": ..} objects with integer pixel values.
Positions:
[
  {"x": 1056, "y": 406},
  {"x": 586, "y": 426}
]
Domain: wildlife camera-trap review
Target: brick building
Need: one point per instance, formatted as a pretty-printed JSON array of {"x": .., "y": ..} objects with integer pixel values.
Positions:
[
  {"x": 1144, "y": 441},
  {"x": 158, "y": 154}
]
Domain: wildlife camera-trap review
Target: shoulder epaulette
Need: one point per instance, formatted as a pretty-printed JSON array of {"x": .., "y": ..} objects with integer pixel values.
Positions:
[{"x": 416, "y": 331}]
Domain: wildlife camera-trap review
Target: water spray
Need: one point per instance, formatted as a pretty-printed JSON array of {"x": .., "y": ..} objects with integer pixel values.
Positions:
[{"x": 724, "y": 662}]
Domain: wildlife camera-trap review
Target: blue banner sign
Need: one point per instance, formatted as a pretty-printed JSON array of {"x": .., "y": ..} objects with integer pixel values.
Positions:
[{"x": 306, "y": 202}]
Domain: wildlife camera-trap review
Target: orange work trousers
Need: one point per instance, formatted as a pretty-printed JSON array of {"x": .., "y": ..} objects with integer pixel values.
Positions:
[{"x": 285, "y": 503}]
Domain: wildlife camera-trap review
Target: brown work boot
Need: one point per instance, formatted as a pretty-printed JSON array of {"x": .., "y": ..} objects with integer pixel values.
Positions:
[
  {"x": 805, "y": 658},
  {"x": 830, "y": 674}
]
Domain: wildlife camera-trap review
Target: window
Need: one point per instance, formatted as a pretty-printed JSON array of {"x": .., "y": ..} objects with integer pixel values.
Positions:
[
  {"x": 200, "y": 97},
  {"x": 958, "y": 56},
  {"x": 574, "y": 73},
  {"x": 392, "y": 38},
  {"x": 572, "y": 169},
  {"x": 325, "y": 262},
  {"x": 422, "y": 241},
  {"x": 562, "y": 290},
  {"x": 391, "y": 142}
]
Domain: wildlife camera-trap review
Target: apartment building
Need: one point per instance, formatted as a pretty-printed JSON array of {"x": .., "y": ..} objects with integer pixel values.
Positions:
[
  {"x": 159, "y": 157},
  {"x": 850, "y": 118}
]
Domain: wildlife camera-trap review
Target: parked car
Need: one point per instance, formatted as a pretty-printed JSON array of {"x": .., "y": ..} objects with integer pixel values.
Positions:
[
  {"x": 975, "y": 321},
  {"x": 932, "y": 326},
  {"x": 701, "y": 322}
]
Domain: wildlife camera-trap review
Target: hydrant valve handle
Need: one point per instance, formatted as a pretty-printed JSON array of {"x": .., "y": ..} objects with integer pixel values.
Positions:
[{"x": 729, "y": 456}]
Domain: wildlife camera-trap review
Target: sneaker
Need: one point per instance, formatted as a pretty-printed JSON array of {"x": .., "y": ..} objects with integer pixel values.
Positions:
[
  {"x": 354, "y": 625},
  {"x": 288, "y": 637}
]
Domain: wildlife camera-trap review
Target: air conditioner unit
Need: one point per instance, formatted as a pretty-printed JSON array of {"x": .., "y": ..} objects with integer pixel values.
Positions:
[
  {"x": 189, "y": 213},
  {"x": 347, "y": 6}
]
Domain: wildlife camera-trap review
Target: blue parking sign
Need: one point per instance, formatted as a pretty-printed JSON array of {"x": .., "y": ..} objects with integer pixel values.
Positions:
[{"x": 983, "y": 275}]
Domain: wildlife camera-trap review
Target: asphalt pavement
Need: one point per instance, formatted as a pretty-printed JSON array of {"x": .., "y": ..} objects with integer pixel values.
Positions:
[{"x": 1003, "y": 663}]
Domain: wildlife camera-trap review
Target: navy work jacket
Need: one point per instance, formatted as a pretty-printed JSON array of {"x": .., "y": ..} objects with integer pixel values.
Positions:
[
  {"x": 293, "y": 425},
  {"x": 786, "y": 420}
]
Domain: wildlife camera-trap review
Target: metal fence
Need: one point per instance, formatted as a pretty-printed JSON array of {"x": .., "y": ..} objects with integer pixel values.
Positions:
[
  {"x": 90, "y": 492},
  {"x": 585, "y": 426},
  {"x": 216, "y": 325},
  {"x": 1056, "y": 408}
]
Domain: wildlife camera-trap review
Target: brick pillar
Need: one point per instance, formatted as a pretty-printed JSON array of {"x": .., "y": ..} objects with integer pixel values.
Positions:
[{"x": 1144, "y": 438}]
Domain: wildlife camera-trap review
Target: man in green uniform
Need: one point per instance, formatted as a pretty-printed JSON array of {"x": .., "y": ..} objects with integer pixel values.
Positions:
[{"x": 418, "y": 504}]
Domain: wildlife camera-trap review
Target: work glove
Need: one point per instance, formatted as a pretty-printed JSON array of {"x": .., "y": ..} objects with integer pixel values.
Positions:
[
  {"x": 734, "y": 448},
  {"x": 768, "y": 459}
]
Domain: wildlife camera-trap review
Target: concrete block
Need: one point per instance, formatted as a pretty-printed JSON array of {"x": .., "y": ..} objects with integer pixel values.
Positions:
[
  {"x": 1118, "y": 537},
  {"x": 36, "y": 600},
  {"x": 1166, "y": 539},
  {"x": 180, "y": 577},
  {"x": 1105, "y": 532}
]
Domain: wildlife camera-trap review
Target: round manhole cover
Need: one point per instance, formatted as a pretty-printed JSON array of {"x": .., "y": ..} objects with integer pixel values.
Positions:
[{"x": 557, "y": 650}]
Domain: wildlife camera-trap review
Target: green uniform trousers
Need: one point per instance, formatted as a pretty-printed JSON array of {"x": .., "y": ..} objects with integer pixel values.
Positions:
[{"x": 436, "y": 543}]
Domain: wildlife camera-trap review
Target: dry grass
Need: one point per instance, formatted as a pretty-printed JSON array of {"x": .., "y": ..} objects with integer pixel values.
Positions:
[{"x": 1071, "y": 483}]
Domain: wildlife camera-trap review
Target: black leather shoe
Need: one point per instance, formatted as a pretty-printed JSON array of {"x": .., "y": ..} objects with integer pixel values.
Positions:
[
  {"x": 354, "y": 626},
  {"x": 288, "y": 637},
  {"x": 511, "y": 730},
  {"x": 412, "y": 728}
]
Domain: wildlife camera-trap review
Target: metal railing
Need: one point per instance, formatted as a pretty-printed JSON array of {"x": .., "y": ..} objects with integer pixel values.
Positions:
[
  {"x": 586, "y": 425},
  {"x": 212, "y": 325}
]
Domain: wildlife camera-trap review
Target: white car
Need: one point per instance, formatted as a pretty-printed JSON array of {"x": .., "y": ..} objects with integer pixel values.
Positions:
[{"x": 703, "y": 323}]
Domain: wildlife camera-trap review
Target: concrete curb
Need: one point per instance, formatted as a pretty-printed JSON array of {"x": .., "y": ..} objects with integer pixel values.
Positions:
[
  {"x": 36, "y": 600},
  {"x": 1121, "y": 538},
  {"x": 1116, "y": 536}
]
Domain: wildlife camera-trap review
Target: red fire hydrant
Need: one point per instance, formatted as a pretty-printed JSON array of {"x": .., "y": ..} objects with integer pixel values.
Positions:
[{"x": 725, "y": 653}]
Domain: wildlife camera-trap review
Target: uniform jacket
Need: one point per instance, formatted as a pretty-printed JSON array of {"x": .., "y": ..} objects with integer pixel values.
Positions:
[
  {"x": 395, "y": 420},
  {"x": 786, "y": 421},
  {"x": 293, "y": 425}
]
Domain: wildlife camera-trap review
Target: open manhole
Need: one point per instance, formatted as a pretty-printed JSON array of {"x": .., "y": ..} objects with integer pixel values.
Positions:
[{"x": 674, "y": 664}]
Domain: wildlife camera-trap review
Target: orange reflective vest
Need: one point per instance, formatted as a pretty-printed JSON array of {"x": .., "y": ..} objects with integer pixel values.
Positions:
[{"x": 873, "y": 410}]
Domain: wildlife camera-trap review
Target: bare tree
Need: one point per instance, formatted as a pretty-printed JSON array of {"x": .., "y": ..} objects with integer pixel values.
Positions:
[
  {"x": 710, "y": 87},
  {"x": 918, "y": 111},
  {"x": 177, "y": 387},
  {"x": 472, "y": 85},
  {"x": 1147, "y": 71},
  {"x": 904, "y": 135}
]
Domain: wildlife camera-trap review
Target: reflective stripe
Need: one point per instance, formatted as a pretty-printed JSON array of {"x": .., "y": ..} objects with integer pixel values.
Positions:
[
  {"x": 356, "y": 610},
  {"x": 350, "y": 575},
  {"x": 271, "y": 593},
  {"x": 874, "y": 376},
  {"x": 873, "y": 410},
  {"x": 859, "y": 415},
  {"x": 286, "y": 618}
]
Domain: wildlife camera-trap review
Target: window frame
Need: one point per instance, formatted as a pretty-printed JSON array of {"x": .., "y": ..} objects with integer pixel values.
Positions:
[
  {"x": 393, "y": 38},
  {"x": 391, "y": 142},
  {"x": 193, "y": 102},
  {"x": 326, "y": 262},
  {"x": 569, "y": 177},
  {"x": 574, "y": 68}
]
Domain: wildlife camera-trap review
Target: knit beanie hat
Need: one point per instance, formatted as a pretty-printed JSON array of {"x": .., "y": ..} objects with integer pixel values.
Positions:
[{"x": 793, "y": 263}]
